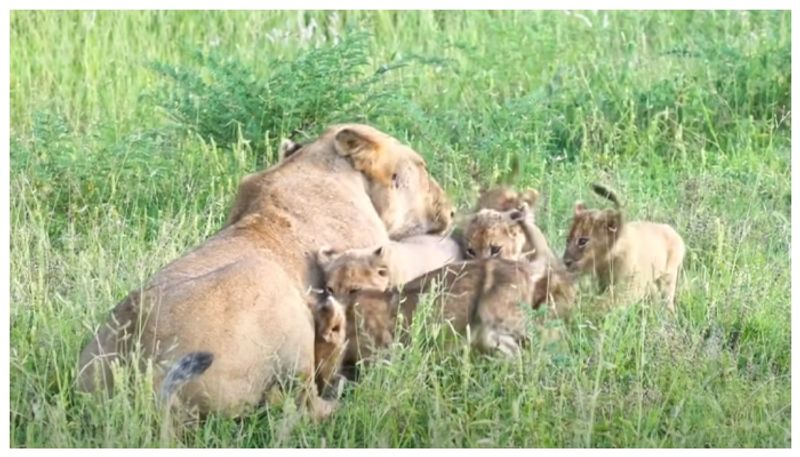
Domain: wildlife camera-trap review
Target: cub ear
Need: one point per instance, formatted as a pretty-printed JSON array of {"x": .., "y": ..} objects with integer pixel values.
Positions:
[
  {"x": 379, "y": 252},
  {"x": 287, "y": 148},
  {"x": 579, "y": 207},
  {"x": 612, "y": 219},
  {"x": 519, "y": 214},
  {"x": 326, "y": 255},
  {"x": 367, "y": 153},
  {"x": 529, "y": 196}
]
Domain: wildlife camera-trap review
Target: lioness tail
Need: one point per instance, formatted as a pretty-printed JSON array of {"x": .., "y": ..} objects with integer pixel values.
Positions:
[{"x": 189, "y": 367}]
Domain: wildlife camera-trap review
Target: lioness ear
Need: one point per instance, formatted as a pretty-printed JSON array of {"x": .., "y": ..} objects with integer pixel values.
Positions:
[
  {"x": 326, "y": 255},
  {"x": 529, "y": 196},
  {"x": 579, "y": 207},
  {"x": 367, "y": 153},
  {"x": 378, "y": 252}
]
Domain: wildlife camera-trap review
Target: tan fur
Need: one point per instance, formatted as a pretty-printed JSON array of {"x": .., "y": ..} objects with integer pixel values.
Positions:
[
  {"x": 632, "y": 259},
  {"x": 505, "y": 198},
  {"x": 385, "y": 266},
  {"x": 491, "y": 233},
  {"x": 513, "y": 235},
  {"x": 371, "y": 318},
  {"x": 329, "y": 340},
  {"x": 487, "y": 295},
  {"x": 503, "y": 225},
  {"x": 241, "y": 294}
]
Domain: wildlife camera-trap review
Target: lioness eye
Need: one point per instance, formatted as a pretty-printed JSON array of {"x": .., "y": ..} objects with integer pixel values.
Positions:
[
  {"x": 329, "y": 290},
  {"x": 470, "y": 252},
  {"x": 335, "y": 329},
  {"x": 353, "y": 291},
  {"x": 394, "y": 179},
  {"x": 582, "y": 241},
  {"x": 494, "y": 249}
]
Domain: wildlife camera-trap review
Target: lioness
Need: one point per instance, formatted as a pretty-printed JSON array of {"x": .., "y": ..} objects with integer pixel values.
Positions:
[
  {"x": 240, "y": 295},
  {"x": 390, "y": 264},
  {"x": 488, "y": 295},
  {"x": 631, "y": 258}
]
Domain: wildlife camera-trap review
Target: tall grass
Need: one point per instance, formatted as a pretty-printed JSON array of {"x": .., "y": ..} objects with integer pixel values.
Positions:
[{"x": 130, "y": 131}]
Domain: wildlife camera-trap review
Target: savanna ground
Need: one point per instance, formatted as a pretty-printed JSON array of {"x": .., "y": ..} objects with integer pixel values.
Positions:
[{"x": 130, "y": 131}]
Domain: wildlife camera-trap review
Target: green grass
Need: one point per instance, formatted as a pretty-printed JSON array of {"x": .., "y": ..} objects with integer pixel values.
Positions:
[{"x": 131, "y": 130}]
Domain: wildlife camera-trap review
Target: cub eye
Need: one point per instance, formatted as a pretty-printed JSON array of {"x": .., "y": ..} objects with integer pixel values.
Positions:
[
  {"x": 382, "y": 272},
  {"x": 394, "y": 180},
  {"x": 470, "y": 252},
  {"x": 494, "y": 250},
  {"x": 329, "y": 290},
  {"x": 582, "y": 241},
  {"x": 353, "y": 291},
  {"x": 336, "y": 328}
]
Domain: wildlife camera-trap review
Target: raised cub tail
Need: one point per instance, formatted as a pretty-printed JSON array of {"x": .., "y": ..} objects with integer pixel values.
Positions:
[
  {"x": 607, "y": 194},
  {"x": 189, "y": 367}
]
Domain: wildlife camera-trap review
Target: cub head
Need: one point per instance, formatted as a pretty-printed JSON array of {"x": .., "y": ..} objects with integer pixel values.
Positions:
[
  {"x": 407, "y": 199},
  {"x": 592, "y": 234},
  {"x": 354, "y": 270},
  {"x": 330, "y": 320},
  {"x": 491, "y": 233},
  {"x": 504, "y": 198}
]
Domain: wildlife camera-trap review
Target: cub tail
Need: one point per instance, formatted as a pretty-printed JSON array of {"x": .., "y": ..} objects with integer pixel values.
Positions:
[{"x": 607, "y": 194}]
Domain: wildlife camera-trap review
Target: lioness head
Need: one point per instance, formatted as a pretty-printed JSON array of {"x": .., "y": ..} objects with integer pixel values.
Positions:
[
  {"x": 504, "y": 198},
  {"x": 491, "y": 233},
  {"x": 354, "y": 270},
  {"x": 407, "y": 199},
  {"x": 592, "y": 234}
]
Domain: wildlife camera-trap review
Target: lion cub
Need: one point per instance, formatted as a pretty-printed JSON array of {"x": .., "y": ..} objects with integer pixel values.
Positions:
[
  {"x": 330, "y": 331},
  {"x": 382, "y": 267},
  {"x": 488, "y": 295},
  {"x": 504, "y": 198},
  {"x": 512, "y": 234},
  {"x": 503, "y": 226},
  {"x": 636, "y": 258}
]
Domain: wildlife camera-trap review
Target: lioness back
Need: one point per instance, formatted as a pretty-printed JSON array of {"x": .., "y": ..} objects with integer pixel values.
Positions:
[{"x": 240, "y": 295}]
